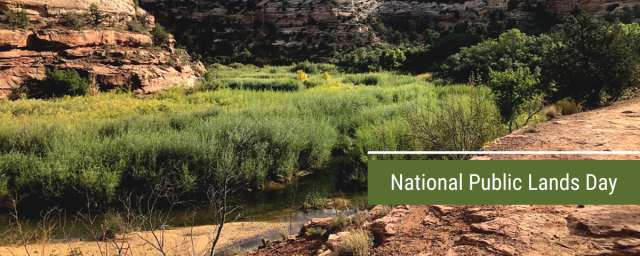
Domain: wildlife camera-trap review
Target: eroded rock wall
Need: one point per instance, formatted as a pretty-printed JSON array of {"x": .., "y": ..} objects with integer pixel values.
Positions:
[{"x": 107, "y": 54}]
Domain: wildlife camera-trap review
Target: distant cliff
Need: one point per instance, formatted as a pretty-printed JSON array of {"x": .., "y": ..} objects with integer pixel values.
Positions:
[{"x": 219, "y": 27}]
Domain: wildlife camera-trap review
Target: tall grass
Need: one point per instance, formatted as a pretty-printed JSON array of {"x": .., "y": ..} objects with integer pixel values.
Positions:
[
  {"x": 71, "y": 146},
  {"x": 264, "y": 84}
]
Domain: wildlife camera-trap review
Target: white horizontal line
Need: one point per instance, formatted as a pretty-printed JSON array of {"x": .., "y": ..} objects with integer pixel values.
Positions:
[{"x": 504, "y": 152}]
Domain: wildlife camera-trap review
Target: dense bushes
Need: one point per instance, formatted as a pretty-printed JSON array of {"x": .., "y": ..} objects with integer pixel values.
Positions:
[
  {"x": 511, "y": 50},
  {"x": 263, "y": 84},
  {"x": 589, "y": 60},
  {"x": 593, "y": 61},
  {"x": 314, "y": 68},
  {"x": 74, "y": 20},
  {"x": 17, "y": 19},
  {"x": 136, "y": 26},
  {"x": 159, "y": 35},
  {"x": 59, "y": 83},
  {"x": 364, "y": 60}
]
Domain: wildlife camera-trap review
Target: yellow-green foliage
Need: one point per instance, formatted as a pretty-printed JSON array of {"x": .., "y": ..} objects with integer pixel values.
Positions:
[
  {"x": 302, "y": 76},
  {"x": 568, "y": 107},
  {"x": 326, "y": 76},
  {"x": 356, "y": 244}
]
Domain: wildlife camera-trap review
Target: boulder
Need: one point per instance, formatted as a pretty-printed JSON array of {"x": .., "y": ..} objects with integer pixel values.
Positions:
[
  {"x": 607, "y": 221},
  {"x": 334, "y": 241},
  {"x": 10, "y": 39}
]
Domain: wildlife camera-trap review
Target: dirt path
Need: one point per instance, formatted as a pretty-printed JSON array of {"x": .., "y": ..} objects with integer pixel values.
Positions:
[{"x": 614, "y": 128}]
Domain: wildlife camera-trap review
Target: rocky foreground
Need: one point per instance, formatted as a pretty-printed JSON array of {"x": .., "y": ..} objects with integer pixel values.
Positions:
[
  {"x": 108, "y": 54},
  {"x": 484, "y": 230},
  {"x": 510, "y": 230}
]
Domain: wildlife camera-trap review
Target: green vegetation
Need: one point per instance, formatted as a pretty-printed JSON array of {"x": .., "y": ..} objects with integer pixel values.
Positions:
[
  {"x": 263, "y": 84},
  {"x": 95, "y": 15},
  {"x": 159, "y": 35},
  {"x": 314, "y": 201},
  {"x": 74, "y": 20},
  {"x": 71, "y": 146},
  {"x": 568, "y": 107},
  {"x": 512, "y": 90},
  {"x": 17, "y": 20},
  {"x": 512, "y": 50},
  {"x": 314, "y": 231},
  {"x": 136, "y": 26},
  {"x": 593, "y": 61},
  {"x": 357, "y": 243},
  {"x": 338, "y": 222},
  {"x": 59, "y": 83}
]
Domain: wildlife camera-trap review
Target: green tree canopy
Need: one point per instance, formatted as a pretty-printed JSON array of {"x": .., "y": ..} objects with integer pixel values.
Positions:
[
  {"x": 512, "y": 90},
  {"x": 592, "y": 61},
  {"x": 511, "y": 50}
]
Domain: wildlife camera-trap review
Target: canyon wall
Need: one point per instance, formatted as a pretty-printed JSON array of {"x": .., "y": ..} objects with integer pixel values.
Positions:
[
  {"x": 264, "y": 26},
  {"x": 108, "y": 54}
]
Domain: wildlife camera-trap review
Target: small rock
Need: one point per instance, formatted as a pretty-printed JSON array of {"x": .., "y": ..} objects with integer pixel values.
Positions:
[
  {"x": 325, "y": 253},
  {"x": 441, "y": 210},
  {"x": 430, "y": 220}
]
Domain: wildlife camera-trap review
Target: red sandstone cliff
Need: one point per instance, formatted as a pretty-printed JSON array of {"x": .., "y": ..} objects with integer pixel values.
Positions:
[{"x": 108, "y": 54}]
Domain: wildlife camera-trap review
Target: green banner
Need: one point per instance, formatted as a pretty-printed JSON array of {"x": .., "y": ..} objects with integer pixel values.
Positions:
[{"x": 549, "y": 182}]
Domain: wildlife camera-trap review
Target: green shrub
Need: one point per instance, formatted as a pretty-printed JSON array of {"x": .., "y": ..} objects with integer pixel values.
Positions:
[
  {"x": 209, "y": 83},
  {"x": 136, "y": 26},
  {"x": 384, "y": 211},
  {"x": 550, "y": 111},
  {"x": 160, "y": 35},
  {"x": 235, "y": 251},
  {"x": 356, "y": 244},
  {"x": 58, "y": 83},
  {"x": 463, "y": 122},
  {"x": 17, "y": 19},
  {"x": 113, "y": 223},
  {"x": 513, "y": 89},
  {"x": 568, "y": 107},
  {"x": 362, "y": 79},
  {"x": 283, "y": 233},
  {"x": 74, "y": 20},
  {"x": 314, "y": 231},
  {"x": 314, "y": 200},
  {"x": 338, "y": 222},
  {"x": 95, "y": 14},
  {"x": 314, "y": 68}
]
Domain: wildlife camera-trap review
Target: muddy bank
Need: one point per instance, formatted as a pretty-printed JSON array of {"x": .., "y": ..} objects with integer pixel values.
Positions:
[{"x": 179, "y": 241}]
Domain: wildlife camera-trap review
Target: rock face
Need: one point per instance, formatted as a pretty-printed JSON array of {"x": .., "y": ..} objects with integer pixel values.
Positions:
[
  {"x": 107, "y": 54},
  {"x": 311, "y": 27}
]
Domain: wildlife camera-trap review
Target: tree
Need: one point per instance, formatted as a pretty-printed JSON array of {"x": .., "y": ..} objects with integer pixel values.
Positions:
[
  {"x": 96, "y": 15},
  {"x": 393, "y": 59},
  {"x": 58, "y": 83},
  {"x": 232, "y": 158},
  {"x": 592, "y": 61},
  {"x": 511, "y": 50},
  {"x": 512, "y": 90},
  {"x": 159, "y": 35}
]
